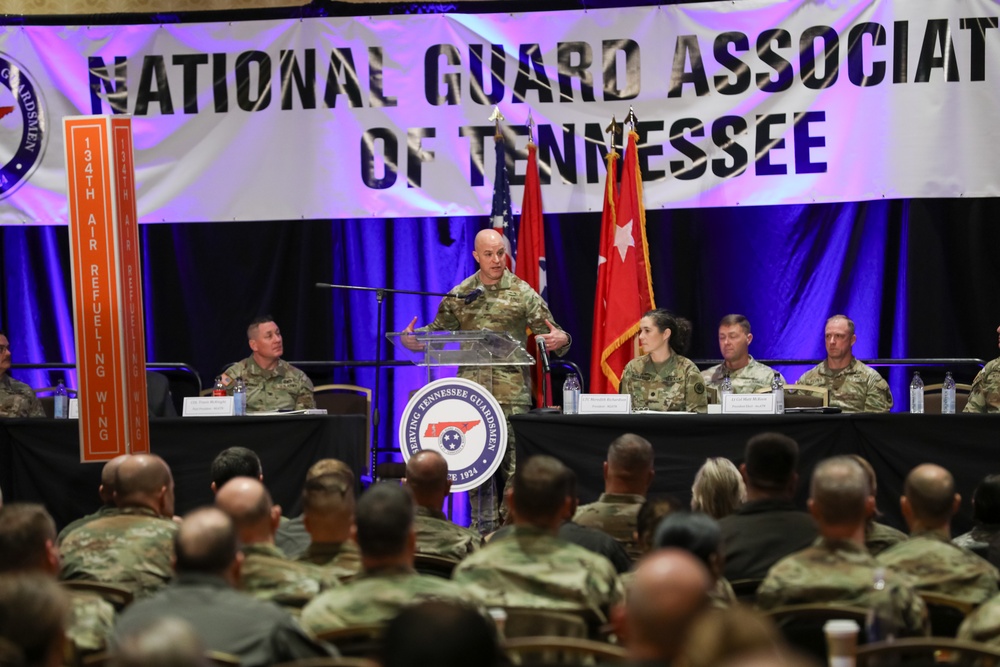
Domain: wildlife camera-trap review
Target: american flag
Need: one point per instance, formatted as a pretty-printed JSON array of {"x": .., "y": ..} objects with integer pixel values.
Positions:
[{"x": 503, "y": 219}]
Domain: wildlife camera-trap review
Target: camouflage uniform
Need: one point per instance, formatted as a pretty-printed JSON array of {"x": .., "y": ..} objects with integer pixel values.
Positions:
[
  {"x": 267, "y": 574},
  {"x": 131, "y": 547},
  {"x": 437, "y": 536},
  {"x": 935, "y": 565},
  {"x": 839, "y": 572},
  {"x": 856, "y": 388},
  {"x": 978, "y": 539},
  {"x": 73, "y": 525},
  {"x": 615, "y": 514},
  {"x": 340, "y": 559},
  {"x": 376, "y": 597},
  {"x": 879, "y": 537},
  {"x": 18, "y": 399},
  {"x": 983, "y": 624},
  {"x": 722, "y": 595},
  {"x": 511, "y": 306},
  {"x": 284, "y": 388},
  {"x": 985, "y": 394},
  {"x": 91, "y": 620},
  {"x": 674, "y": 386},
  {"x": 533, "y": 568},
  {"x": 746, "y": 380}
]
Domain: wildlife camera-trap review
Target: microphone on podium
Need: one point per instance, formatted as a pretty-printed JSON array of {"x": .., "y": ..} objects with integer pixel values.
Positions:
[
  {"x": 543, "y": 354},
  {"x": 473, "y": 295}
]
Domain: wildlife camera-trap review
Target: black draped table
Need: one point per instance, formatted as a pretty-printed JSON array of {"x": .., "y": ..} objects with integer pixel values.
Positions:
[
  {"x": 40, "y": 458},
  {"x": 967, "y": 445}
]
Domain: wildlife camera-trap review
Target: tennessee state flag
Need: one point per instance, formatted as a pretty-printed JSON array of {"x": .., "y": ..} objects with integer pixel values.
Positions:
[
  {"x": 624, "y": 280},
  {"x": 530, "y": 260}
]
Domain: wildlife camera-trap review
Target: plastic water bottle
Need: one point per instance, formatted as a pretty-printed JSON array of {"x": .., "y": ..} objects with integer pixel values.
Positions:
[
  {"x": 571, "y": 395},
  {"x": 880, "y": 624},
  {"x": 778, "y": 389},
  {"x": 948, "y": 395},
  {"x": 219, "y": 389},
  {"x": 61, "y": 401},
  {"x": 727, "y": 386},
  {"x": 917, "y": 395},
  {"x": 240, "y": 398}
]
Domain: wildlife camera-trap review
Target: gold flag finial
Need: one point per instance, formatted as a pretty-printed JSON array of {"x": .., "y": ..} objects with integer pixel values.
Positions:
[
  {"x": 631, "y": 119},
  {"x": 614, "y": 130}
]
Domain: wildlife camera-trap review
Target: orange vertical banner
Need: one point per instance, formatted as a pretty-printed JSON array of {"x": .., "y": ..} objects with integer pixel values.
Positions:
[{"x": 107, "y": 287}]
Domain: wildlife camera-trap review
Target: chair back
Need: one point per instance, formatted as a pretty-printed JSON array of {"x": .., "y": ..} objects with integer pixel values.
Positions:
[
  {"x": 746, "y": 589},
  {"x": 928, "y": 650},
  {"x": 805, "y": 396},
  {"x": 432, "y": 564},
  {"x": 118, "y": 596},
  {"x": 945, "y": 613},
  {"x": 525, "y": 622},
  {"x": 358, "y": 641},
  {"x": 348, "y": 399},
  {"x": 802, "y": 625},
  {"x": 932, "y": 397},
  {"x": 561, "y": 651}
]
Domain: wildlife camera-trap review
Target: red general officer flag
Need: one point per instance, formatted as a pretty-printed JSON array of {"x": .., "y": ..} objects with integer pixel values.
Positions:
[
  {"x": 530, "y": 260},
  {"x": 627, "y": 282}
]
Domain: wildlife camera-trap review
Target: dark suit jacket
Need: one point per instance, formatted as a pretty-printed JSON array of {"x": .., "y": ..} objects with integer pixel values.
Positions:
[{"x": 761, "y": 533}]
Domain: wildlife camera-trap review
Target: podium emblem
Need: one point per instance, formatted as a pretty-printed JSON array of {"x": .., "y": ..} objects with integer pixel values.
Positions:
[{"x": 464, "y": 422}]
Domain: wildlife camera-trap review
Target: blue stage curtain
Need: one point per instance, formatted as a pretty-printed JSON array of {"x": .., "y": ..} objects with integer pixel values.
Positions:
[{"x": 919, "y": 277}]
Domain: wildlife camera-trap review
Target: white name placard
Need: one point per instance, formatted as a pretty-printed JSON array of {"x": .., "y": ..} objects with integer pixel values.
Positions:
[
  {"x": 605, "y": 404},
  {"x": 748, "y": 404},
  {"x": 208, "y": 406},
  {"x": 74, "y": 408}
]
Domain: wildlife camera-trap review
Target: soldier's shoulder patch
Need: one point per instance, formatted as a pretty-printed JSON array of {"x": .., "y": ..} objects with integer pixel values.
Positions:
[
  {"x": 699, "y": 388},
  {"x": 226, "y": 380}
]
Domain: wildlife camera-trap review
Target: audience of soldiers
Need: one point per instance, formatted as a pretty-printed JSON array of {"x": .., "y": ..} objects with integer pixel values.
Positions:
[{"x": 216, "y": 580}]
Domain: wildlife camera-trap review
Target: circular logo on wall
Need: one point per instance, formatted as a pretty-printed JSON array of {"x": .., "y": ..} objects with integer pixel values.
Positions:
[
  {"x": 24, "y": 130},
  {"x": 462, "y": 421}
]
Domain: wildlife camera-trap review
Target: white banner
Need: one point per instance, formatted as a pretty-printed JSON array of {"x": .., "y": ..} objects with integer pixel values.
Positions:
[{"x": 748, "y": 103}]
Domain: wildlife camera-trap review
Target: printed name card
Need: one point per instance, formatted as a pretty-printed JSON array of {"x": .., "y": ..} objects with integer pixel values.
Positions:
[
  {"x": 605, "y": 404},
  {"x": 208, "y": 406},
  {"x": 748, "y": 404}
]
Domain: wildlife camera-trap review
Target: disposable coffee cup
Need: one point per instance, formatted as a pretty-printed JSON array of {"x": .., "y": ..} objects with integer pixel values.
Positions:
[{"x": 841, "y": 642}]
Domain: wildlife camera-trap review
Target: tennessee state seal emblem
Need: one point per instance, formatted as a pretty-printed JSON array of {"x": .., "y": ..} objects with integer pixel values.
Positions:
[
  {"x": 24, "y": 129},
  {"x": 462, "y": 421}
]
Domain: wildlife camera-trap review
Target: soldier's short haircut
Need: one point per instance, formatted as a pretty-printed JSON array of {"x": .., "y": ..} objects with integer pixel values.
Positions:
[
  {"x": 540, "y": 488},
  {"x": 255, "y": 325},
  {"x": 839, "y": 491},
  {"x": 251, "y": 507},
  {"x": 427, "y": 472},
  {"x": 140, "y": 475},
  {"x": 328, "y": 494},
  {"x": 850, "y": 322},
  {"x": 932, "y": 497},
  {"x": 167, "y": 641},
  {"x": 24, "y": 529},
  {"x": 735, "y": 319},
  {"x": 986, "y": 500},
  {"x": 235, "y": 462},
  {"x": 771, "y": 460},
  {"x": 680, "y": 328},
  {"x": 33, "y": 612},
  {"x": 384, "y": 520},
  {"x": 329, "y": 467},
  {"x": 206, "y": 542},
  {"x": 693, "y": 532},
  {"x": 630, "y": 455}
]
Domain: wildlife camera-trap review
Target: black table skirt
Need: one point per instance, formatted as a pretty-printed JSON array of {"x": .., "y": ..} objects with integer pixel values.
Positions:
[
  {"x": 40, "y": 458},
  {"x": 967, "y": 445}
]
